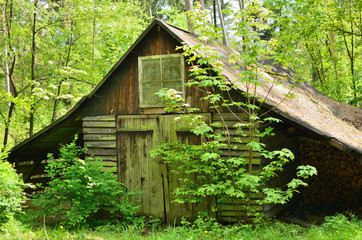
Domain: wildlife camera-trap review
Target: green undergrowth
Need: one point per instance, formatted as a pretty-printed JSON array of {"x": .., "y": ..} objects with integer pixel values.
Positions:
[{"x": 336, "y": 227}]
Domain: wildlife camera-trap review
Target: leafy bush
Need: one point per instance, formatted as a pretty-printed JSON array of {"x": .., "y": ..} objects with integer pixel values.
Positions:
[
  {"x": 11, "y": 190},
  {"x": 339, "y": 222},
  {"x": 223, "y": 166},
  {"x": 79, "y": 192}
]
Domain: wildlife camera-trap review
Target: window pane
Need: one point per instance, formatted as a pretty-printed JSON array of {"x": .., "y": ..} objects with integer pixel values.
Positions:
[
  {"x": 151, "y": 70},
  {"x": 171, "y": 68},
  {"x": 148, "y": 90},
  {"x": 175, "y": 85}
]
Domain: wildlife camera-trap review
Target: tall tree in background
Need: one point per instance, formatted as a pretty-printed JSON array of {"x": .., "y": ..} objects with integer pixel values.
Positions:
[
  {"x": 322, "y": 39},
  {"x": 9, "y": 62},
  {"x": 69, "y": 42},
  {"x": 46, "y": 61},
  {"x": 33, "y": 49},
  {"x": 188, "y": 7},
  {"x": 12, "y": 54},
  {"x": 202, "y": 4},
  {"x": 224, "y": 36}
]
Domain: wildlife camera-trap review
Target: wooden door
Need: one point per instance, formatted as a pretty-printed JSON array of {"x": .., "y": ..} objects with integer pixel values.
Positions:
[
  {"x": 178, "y": 131},
  {"x": 137, "y": 135}
]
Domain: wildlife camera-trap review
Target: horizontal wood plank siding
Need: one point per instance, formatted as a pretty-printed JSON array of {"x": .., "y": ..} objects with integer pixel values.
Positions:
[
  {"x": 226, "y": 126},
  {"x": 99, "y": 134}
]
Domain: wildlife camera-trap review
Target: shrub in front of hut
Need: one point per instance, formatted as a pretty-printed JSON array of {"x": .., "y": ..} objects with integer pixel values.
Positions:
[
  {"x": 79, "y": 193},
  {"x": 12, "y": 187}
]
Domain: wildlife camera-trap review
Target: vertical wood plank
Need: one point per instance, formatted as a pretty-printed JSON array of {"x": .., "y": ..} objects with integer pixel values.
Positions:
[
  {"x": 143, "y": 145},
  {"x": 122, "y": 157},
  {"x": 166, "y": 194}
]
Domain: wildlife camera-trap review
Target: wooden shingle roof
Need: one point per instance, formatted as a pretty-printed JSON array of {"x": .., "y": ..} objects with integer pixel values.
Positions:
[{"x": 339, "y": 123}]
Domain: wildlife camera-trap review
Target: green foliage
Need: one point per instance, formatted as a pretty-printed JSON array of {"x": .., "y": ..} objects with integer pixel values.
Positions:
[
  {"x": 76, "y": 42},
  {"x": 320, "y": 39},
  {"x": 12, "y": 187},
  {"x": 174, "y": 16},
  {"x": 79, "y": 192},
  {"x": 201, "y": 170},
  {"x": 202, "y": 228},
  {"x": 335, "y": 223}
]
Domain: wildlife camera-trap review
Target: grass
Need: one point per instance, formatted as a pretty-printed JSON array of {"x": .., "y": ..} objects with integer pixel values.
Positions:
[{"x": 337, "y": 227}]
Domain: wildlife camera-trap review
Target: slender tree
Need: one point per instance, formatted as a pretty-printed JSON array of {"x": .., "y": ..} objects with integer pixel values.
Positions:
[
  {"x": 46, "y": 61},
  {"x": 322, "y": 40},
  {"x": 188, "y": 7},
  {"x": 202, "y": 4},
  {"x": 8, "y": 71},
  {"x": 224, "y": 36},
  {"x": 32, "y": 76}
]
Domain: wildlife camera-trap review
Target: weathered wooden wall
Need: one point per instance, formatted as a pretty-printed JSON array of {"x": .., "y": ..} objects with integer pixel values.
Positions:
[
  {"x": 120, "y": 93},
  {"x": 124, "y": 141},
  {"x": 99, "y": 134},
  {"x": 228, "y": 211}
]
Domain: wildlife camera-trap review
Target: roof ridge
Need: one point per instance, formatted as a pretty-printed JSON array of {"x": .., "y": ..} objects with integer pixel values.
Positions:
[
  {"x": 178, "y": 28},
  {"x": 171, "y": 25}
]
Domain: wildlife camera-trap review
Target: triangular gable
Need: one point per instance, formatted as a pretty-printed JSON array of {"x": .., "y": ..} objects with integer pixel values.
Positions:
[{"x": 71, "y": 118}]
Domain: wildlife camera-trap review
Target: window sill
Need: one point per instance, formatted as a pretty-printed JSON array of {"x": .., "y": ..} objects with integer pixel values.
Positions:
[
  {"x": 157, "y": 110},
  {"x": 152, "y": 110}
]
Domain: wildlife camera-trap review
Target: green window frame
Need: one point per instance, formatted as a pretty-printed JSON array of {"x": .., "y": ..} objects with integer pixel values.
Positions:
[{"x": 158, "y": 72}]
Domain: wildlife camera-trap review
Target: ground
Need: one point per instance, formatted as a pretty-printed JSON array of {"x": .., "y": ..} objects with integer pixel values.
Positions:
[{"x": 337, "y": 227}]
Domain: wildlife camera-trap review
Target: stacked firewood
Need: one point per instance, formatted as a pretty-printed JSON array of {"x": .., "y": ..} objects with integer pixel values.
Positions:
[{"x": 339, "y": 181}]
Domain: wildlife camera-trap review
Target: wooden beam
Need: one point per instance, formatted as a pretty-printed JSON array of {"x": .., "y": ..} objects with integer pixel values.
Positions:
[{"x": 107, "y": 118}]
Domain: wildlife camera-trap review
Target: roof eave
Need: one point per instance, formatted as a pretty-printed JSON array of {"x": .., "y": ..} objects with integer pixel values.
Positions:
[
  {"x": 330, "y": 139},
  {"x": 50, "y": 126}
]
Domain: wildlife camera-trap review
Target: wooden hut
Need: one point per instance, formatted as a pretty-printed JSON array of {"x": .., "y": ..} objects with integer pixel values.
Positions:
[{"x": 121, "y": 121}]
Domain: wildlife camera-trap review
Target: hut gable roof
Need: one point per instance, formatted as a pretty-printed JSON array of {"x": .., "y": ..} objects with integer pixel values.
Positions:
[{"x": 340, "y": 123}]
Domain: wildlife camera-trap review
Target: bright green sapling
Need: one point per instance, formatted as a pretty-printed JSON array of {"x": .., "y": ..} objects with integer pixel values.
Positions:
[{"x": 201, "y": 169}]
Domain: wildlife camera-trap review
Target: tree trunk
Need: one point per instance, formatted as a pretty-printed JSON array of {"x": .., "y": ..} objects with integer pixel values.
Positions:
[
  {"x": 351, "y": 50},
  {"x": 6, "y": 54},
  {"x": 10, "y": 86},
  {"x": 333, "y": 52},
  {"x": 332, "y": 47},
  {"x": 7, "y": 125},
  {"x": 94, "y": 32},
  {"x": 225, "y": 40},
  {"x": 70, "y": 43},
  {"x": 318, "y": 71},
  {"x": 56, "y": 101},
  {"x": 202, "y": 4},
  {"x": 148, "y": 8},
  {"x": 188, "y": 7},
  {"x": 352, "y": 55},
  {"x": 241, "y": 4},
  {"x": 214, "y": 11},
  {"x": 32, "y": 77}
]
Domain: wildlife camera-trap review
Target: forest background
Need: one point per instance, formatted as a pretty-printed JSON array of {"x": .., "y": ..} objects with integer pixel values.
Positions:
[{"x": 53, "y": 52}]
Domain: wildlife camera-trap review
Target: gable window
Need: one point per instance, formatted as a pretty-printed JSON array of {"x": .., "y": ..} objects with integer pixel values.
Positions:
[{"x": 158, "y": 72}]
